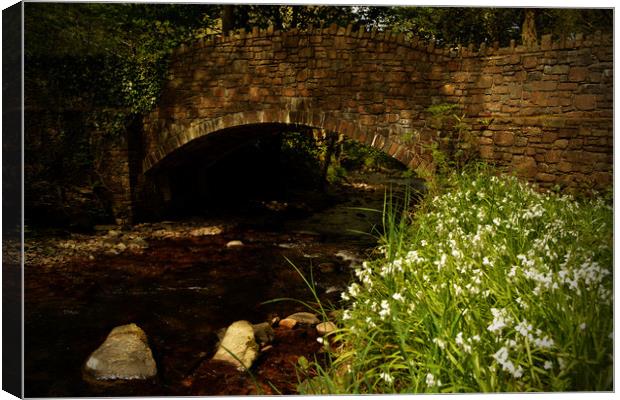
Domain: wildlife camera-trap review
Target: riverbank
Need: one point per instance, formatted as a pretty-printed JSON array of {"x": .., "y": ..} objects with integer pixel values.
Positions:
[{"x": 492, "y": 286}]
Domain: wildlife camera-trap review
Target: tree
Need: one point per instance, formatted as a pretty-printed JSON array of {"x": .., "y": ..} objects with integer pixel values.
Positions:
[{"x": 90, "y": 70}]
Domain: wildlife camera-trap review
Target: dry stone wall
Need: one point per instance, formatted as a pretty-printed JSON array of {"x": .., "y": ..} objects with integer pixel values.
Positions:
[{"x": 543, "y": 111}]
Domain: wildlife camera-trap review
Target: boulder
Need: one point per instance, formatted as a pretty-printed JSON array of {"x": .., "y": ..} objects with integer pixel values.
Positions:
[
  {"x": 304, "y": 318},
  {"x": 125, "y": 354},
  {"x": 238, "y": 346}
]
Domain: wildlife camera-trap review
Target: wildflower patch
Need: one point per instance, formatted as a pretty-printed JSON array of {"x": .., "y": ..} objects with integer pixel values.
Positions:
[{"x": 492, "y": 286}]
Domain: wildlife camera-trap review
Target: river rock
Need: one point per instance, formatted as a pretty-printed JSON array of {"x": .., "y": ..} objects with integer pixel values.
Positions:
[
  {"x": 238, "y": 340},
  {"x": 206, "y": 231},
  {"x": 263, "y": 333},
  {"x": 325, "y": 327},
  {"x": 234, "y": 244},
  {"x": 327, "y": 267},
  {"x": 304, "y": 318},
  {"x": 287, "y": 323},
  {"x": 125, "y": 354}
]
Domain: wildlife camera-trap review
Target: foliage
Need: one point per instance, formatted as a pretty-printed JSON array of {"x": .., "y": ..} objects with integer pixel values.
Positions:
[
  {"x": 448, "y": 25},
  {"x": 356, "y": 155},
  {"x": 453, "y": 148},
  {"x": 302, "y": 154},
  {"x": 90, "y": 70},
  {"x": 304, "y": 16},
  {"x": 491, "y": 286},
  {"x": 452, "y": 26},
  {"x": 104, "y": 55}
]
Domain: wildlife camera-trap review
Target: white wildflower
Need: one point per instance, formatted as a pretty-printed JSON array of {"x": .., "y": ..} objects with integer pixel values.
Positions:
[
  {"x": 501, "y": 319},
  {"x": 385, "y": 309},
  {"x": 524, "y": 329},
  {"x": 502, "y": 358},
  {"x": 440, "y": 343},
  {"x": 548, "y": 365},
  {"x": 544, "y": 343},
  {"x": 430, "y": 380},
  {"x": 460, "y": 342},
  {"x": 354, "y": 289},
  {"x": 398, "y": 297},
  {"x": 386, "y": 377}
]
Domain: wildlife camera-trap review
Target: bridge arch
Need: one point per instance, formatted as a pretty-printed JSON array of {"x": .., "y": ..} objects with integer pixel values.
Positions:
[
  {"x": 408, "y": 154},
  {"x": 543, "y": 111}
]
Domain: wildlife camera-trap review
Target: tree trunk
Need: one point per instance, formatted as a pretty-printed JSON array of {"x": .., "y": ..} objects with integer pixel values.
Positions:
[
  {"x": 528, "y": 31},
  {"x": 227, "y": 18}
]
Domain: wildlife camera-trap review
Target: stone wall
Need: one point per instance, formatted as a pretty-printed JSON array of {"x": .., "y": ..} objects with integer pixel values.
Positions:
[{"x": 543, "y": 111}]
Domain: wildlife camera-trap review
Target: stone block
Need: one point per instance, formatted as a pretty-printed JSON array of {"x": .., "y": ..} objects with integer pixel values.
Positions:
[
  {"x": 487, "y": 152},
  {"x": 530, "y": 62},
  {"x": 543, "y": 86},
  {"x": 485, "y": 82},
  {"x": 565, "y": 166},
  {"x": 556, "y": 69},
  {"x": 545, "y": 177},
  {"x": 585, "y": 102},
  {"x": 504, "y": 138},
  {"x": 577, "y": 74},
  {"x": 553, "y": 156}
]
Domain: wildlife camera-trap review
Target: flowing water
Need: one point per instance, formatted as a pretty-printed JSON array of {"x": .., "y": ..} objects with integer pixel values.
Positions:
[{"x": 182, "y": 289}]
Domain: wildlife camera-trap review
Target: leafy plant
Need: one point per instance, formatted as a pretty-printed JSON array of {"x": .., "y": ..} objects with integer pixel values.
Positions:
[{"x": 493, "y": 286}]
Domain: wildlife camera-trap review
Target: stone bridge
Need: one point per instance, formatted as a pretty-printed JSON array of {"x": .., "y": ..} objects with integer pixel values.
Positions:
[{"x": 544, "y": 111}]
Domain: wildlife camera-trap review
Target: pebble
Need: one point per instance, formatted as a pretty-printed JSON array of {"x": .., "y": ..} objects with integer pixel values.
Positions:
[
  {"x": 234, "y": 244},
  {"x": 304, "y": 318},
  {"x": 327, "y": 267},
  {"x": 333, "y": 289},
  {"x": 287, "y": 323},
  {"x": 325, "y": 327},
  {"x": 315, "y": 255}
]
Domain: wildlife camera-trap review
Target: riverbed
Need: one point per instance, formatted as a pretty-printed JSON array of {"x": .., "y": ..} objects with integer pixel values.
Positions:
[{"x": 181, "y": 283}]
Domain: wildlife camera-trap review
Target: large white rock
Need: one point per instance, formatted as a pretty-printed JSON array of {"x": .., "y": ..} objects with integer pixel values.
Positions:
[
  {"x": 125, "y": 354},
  {"x": 238, "y": 340}
]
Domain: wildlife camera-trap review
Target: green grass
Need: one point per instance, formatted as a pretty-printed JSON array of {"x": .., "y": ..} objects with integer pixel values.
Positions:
[{"x": 489, "y": 287}]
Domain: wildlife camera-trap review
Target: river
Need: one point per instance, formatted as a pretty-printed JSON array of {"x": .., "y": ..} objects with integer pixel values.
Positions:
[{"x": 180, "y": 283}]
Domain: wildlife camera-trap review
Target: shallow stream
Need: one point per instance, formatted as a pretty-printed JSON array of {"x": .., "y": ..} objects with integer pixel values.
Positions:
[{"x": 182, "y": 288}]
